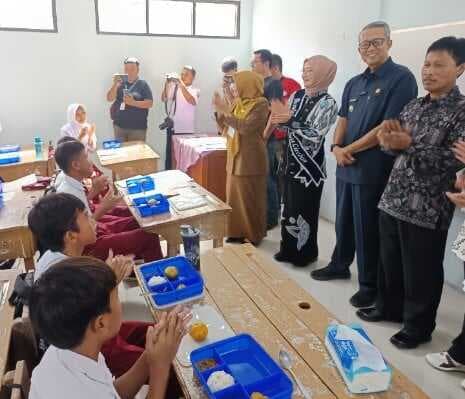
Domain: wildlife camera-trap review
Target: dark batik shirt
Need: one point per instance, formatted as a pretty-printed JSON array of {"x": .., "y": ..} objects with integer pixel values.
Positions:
[{"x": 424, "y": 172}]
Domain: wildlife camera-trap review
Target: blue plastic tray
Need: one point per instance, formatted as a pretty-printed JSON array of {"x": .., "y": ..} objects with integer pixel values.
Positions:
[
  {"x": 111, "y": 144},
  {"x": 252, "y": 368},
  {"x": 140, "y": 184},
  {"x": 168, "y": 294},
  {"x": 5, "y": 149},
  {"x": 142, "y": 204}
]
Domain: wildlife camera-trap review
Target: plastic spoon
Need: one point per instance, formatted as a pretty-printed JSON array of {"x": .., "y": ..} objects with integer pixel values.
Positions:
[{"x": 286, "y": 361}]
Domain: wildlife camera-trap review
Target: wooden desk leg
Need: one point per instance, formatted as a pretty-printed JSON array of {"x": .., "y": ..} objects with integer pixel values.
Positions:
[
  {"x": 218, "y": 242},
  {"x": 173, "y": 249},
  {"x": 29, "y": 263}
]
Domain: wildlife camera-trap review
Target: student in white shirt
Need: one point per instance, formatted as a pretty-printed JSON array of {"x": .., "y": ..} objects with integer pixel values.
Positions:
[{"x": 76, "y": 308}]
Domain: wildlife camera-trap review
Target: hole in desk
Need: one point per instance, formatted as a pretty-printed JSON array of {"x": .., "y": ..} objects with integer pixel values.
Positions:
[{"x": 304, "y": 305}]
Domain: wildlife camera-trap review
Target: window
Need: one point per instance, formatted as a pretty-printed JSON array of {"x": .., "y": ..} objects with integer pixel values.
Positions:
[
  {"x": 28, "y": 15},
  {"x": 189, "y": 18}
]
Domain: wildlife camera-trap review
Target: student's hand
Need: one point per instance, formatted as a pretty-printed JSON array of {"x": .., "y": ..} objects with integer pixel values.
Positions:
[
  {"x": 343, "y": 157},
  {"x": 111, "y": 199},
  {"x": 83, "y": 132},
  {"x": 457, "y": 198},
  {"x": 162, "y": 342},
  {"x": 459, "y": 150},
  {"x": 100, "y": 183},
  {"x": 92, "y": 129},
  {"x": 121, "y": 265}
]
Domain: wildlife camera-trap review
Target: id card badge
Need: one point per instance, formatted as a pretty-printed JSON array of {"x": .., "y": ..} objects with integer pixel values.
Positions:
[
  {"x": 231, "y": 132},
  {"x": 122, "y": 107}
]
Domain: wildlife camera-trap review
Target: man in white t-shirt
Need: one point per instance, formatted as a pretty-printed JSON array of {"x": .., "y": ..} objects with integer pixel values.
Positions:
[{"x": 183, "y": 109}]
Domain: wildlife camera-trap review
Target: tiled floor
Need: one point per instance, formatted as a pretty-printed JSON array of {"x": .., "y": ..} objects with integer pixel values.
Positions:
[{"x": 437, "y": 384}]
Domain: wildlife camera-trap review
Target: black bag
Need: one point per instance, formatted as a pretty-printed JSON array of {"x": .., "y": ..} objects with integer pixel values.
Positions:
[{"x": 21, "y": 292}]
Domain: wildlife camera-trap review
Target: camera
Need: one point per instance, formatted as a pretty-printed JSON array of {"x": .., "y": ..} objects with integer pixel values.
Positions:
[
  {"x": 168, "y": 123},
  {"x": 172, "y": 77}
]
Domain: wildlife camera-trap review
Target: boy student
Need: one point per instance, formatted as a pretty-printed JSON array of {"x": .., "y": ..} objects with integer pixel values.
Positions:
[
  {"x": 122, "y": 234},
  {"x": 75, "y": 307},
  {"x": 63, "y": 228}
]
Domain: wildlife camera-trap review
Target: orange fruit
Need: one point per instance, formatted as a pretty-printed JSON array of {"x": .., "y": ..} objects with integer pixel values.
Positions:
[{"x": 199, "y": 332}]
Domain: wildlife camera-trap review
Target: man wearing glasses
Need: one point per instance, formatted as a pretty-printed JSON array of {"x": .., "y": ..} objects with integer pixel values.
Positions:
[{"x": 378, "y": 94}]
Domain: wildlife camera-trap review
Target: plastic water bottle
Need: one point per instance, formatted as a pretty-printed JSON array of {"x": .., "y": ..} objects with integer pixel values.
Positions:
[
  {"x": 39, "y": 147},
  {"x": 191, "y": 240}
]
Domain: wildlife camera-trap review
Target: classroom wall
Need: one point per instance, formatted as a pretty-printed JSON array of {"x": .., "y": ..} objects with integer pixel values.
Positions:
[
  {"x": 41, "y": 73},
  {"x": 302, "y": 28}
]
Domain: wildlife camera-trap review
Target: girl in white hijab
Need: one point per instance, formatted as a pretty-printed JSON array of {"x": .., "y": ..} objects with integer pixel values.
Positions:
[{"x": 79, "y": 128}]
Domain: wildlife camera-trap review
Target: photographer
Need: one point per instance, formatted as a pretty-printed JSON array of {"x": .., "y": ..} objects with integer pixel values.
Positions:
[
  {"x": 228, "y": 68},
  {"x": 132, "y": 99},
  {"x": 181, "y": 114}
]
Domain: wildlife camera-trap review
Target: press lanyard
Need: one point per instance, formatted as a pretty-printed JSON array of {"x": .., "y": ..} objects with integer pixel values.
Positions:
[{"x": 132, "y": 86}]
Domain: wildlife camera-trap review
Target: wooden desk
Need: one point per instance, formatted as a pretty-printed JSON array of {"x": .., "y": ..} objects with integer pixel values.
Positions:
[
  {"x": 210, "y": 219},
  {"x": 133, "y": 158},
  {"x": 257, "y": 297},
  {"x": 27, "y": 165},
  {"x": 6, "y": 317},
  {"x": 16, "y": 240}
]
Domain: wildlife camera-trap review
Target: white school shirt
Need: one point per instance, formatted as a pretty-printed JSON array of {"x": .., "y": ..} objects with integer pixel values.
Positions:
[
  {"x": 49, "y": 258},
  {"x": 184, "y": 118},
  {"x": 64, "y": 374},
  {"x": 72, "y": 186}
]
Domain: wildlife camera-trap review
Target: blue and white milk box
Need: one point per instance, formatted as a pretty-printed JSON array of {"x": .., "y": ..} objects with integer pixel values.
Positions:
[{"x": 360, "y": 363}]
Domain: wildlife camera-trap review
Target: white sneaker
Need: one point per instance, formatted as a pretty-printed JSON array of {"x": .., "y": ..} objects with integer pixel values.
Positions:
[{"x": 444, "y": 362}]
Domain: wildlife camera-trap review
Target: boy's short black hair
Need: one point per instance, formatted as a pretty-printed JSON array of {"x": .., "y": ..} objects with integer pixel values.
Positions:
[
  {"x": 67, "y": 297},
  {"x": 453, "y": 45},
  {"x": 67, "y": 152},
  {"x": 66, "y": 139},
  {"x": 52, "y": 216},
  {"x": 265, "y": 56},
  {"x": 228, "y": 65},
  {"x": 277, "y": 61}
]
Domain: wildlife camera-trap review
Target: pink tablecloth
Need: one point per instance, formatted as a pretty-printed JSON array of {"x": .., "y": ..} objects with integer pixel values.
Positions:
[{"x": 189, "y": 148}]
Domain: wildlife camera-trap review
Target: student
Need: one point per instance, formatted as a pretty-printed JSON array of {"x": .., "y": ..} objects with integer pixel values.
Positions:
[
  {"x": 75, "y": 307},
  {"x": 78, "y": 127},
  {"x": 123, "y": 234},
  {"x": 63, "y": 229}
]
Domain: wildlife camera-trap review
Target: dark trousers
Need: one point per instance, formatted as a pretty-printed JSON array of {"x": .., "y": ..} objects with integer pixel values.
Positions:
[
  {"x": 457, "y": 350},
  {"x": 411, "y": 274},
  {"x": 357, "y": 231},
  {"x": 168, "y": 151},
  {"x": 272, "y": 202},
  {"x": 299, "y": 225}
]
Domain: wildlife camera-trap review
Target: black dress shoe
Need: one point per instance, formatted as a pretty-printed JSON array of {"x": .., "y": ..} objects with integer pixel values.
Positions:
[
  {"x": 282, "y": 257},
  {"x": 402, "y": 340},
  {"x": 235, "y": 240},
  {"x": 362, "y": 300},
  {"x": 370, "y": 315},
  {"x": 329, "y": 273}
]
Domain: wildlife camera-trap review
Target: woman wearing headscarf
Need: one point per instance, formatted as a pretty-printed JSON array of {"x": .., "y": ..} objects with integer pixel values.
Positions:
[
  {"x": 247, "y": 166},
  {"x": 78, "y": 127},
  {"x": 309, "y": 117}
]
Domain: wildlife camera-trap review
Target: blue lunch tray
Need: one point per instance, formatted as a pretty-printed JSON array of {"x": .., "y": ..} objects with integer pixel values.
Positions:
[
  {"x": 9, "y": 154},
  {"x": 145, "y": 209},
  {"x": 252, "y": 368},
  {"x": 140, "y": 184},
  {"x": 168, "y": 294},
  {"x": 111, "y": 144}
]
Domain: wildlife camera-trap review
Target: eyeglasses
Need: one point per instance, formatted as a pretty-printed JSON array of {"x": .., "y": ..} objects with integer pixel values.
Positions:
[{"x": 365, "y": 45}]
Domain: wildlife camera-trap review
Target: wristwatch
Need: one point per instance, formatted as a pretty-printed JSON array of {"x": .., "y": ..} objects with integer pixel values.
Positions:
[{"x": 333, "y": 146}]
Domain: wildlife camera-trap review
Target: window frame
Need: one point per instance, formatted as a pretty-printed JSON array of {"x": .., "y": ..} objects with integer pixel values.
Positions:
[
  {"x": 55, "y": 24},
  {"x": 193, "y": 35}
]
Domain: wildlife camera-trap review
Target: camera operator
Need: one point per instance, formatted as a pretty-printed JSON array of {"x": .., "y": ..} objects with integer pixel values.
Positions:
[
  {"x": 132, "y": 99},
  {"x": 228, "y": 68},
  {"x": 181, "y": 115}
]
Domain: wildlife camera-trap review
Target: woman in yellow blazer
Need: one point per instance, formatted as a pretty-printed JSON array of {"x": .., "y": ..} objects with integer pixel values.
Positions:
[{"x": 247, "y": 165}]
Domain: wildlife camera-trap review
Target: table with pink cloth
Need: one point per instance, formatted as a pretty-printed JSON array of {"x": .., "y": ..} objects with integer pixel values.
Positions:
[{"x": 188, "y": 149}]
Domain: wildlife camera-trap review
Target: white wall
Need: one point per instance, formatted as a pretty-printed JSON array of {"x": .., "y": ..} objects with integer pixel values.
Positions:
[
  {"x": 413, "y": 13},
  {"x": 302, "y": 28},
  {"x": 44, "y": 72}
]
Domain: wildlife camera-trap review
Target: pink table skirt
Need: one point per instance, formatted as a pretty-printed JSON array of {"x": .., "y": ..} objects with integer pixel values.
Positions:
[{"x": 189, "y": 148}]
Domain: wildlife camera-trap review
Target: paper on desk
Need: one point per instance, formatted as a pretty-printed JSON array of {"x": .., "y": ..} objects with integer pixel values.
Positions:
[
  {"x": 112, "y": 153},
  {"x": 369, "y": 355}
]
